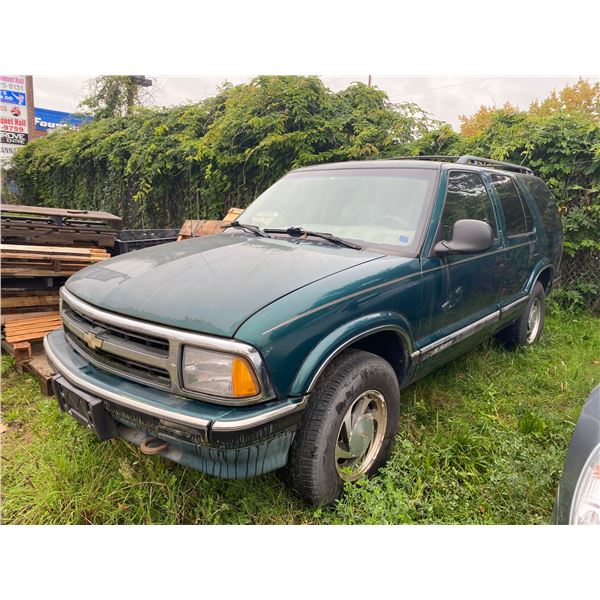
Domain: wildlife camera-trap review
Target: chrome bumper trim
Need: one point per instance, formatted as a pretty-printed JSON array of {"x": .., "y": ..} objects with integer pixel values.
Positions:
[
  {"x": 258, "y": 420},
  {"x": 147, "y": 409},
  {"x": 159, "y": 413}
]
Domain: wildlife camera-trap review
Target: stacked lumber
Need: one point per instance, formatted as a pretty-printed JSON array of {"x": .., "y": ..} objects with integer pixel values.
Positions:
[
  {"x": 233, "y": 214},
  {"x": 17, "y": 303},
  {"x": 31, "y": 328},
  {"x": 46, "y": 261},
  {"x": 40, "y": 248},
  {"x": 57, "y": 226},
  {"x": 197, "y": 227},
  {"x": 22, "y": 334}
]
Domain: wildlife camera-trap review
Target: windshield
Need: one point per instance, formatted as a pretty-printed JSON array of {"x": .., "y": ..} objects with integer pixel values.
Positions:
[{"x": 376, "y": 206}]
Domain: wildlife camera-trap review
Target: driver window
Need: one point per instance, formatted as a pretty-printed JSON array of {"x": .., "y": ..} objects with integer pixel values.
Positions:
[{"x": 466, "y": 198}]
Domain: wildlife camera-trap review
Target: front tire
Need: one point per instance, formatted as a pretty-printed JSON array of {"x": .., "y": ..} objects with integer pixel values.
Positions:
[
  {"x": 526, "y": 330},
  {"x": 348, "y": 428}
]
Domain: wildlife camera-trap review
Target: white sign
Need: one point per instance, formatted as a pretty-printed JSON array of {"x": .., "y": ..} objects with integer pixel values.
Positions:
[
  {"x": 6, "y": 151},
  {"x": 13, "y": 118},
  {"x": 14, "y": 131},
  {"x": 13, "y": 83}
]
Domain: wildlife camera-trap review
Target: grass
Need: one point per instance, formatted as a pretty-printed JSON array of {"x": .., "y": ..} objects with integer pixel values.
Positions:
[{"x": 480, "y": 441}]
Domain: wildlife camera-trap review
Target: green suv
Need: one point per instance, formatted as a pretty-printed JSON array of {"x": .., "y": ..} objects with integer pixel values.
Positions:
[{"x": 284, "y": 342}]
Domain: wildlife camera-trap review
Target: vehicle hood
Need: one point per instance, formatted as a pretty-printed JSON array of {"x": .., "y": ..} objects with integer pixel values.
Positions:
[{"x": 210, "y": 284}]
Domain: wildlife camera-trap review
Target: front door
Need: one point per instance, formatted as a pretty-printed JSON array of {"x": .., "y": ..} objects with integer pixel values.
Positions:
[{"x": 460, "y": 291}]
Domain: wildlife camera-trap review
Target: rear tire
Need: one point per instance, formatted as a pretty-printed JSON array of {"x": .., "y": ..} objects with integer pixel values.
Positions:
[
  {"x": 526, "y": 330},
  {"x": 348, "y": 428}
]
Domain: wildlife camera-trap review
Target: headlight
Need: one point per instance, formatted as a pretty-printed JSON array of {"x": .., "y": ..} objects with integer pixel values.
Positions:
[
  {"x": 218, "y": 374},
  {"x": 585, "y": 509}
]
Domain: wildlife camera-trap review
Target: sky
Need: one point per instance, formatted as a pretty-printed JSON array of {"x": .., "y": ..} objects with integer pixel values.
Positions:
[{"x": 444, "y": 97}]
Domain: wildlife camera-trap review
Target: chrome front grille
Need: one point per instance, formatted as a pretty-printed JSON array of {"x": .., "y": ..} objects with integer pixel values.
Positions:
[
  {"x": 143, "y": 343},
  {"x": 124, "y": 366},
  {"x": 144, "y": 352},
  {"x": 133, "y": 354}
]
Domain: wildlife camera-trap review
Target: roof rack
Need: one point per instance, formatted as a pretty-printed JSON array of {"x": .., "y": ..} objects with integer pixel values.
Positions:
[
  {"x": 478, "y": 160},
  {"x": 440, "y": 157},
  {"x": 467, "y": 159}
]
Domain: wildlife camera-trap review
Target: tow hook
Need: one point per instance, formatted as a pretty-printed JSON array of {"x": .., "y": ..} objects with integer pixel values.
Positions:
[{"x": 153, "y": 446}]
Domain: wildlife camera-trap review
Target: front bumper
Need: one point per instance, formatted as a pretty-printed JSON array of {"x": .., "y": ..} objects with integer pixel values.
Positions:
[{"x": 227, "y": 442}]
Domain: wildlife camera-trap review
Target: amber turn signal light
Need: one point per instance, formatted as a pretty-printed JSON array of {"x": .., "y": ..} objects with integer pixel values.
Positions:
[{"x": 243, "y": 382}]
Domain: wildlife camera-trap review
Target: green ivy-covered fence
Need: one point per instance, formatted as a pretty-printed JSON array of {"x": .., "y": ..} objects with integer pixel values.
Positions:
[{"x": 157, "y": 167}]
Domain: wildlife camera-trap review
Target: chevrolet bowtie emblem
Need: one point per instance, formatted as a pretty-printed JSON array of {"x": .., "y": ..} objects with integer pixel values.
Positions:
[{"x": 92, "y": 340}]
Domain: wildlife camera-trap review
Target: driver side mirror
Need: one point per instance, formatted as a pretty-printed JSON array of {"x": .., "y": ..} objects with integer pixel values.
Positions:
[{"x": 468, "y": 235}]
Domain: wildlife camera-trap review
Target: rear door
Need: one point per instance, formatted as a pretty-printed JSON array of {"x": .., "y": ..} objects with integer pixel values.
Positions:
[{"x": 520, "y": 237}]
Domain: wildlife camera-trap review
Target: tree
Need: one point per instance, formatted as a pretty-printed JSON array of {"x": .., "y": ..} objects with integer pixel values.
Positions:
[
  {"x": 581, "y": 97},
  {"x": 470, "y": 126},
  {"x": 113, "y": 96}
]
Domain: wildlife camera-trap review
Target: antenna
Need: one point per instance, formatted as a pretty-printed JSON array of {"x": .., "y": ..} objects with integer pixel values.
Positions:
[
  {"x": 192, "y": 226},
  {"x": 197, "y": 207}
]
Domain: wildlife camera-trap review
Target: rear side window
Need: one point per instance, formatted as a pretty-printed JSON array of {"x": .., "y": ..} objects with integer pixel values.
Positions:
[
  {"x": 466, "y": 198},
  {"x": 516, "y": 212},
  {"x": 544, "y": 201}
]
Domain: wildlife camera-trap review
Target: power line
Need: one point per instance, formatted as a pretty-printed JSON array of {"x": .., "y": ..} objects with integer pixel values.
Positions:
[{"x": 442, "y": 87}]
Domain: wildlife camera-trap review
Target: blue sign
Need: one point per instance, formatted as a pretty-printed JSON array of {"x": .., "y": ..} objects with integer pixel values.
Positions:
[
  {"x": 10, "y": 97},
  {"x": 47, "y": 119}
]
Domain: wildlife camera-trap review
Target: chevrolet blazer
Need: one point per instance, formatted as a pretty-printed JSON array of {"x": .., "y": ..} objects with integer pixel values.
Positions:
[{"x": 284, "y": 341}]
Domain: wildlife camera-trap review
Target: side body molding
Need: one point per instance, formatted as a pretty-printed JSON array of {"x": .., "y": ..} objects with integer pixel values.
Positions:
[{"x": 343, "y": 337}]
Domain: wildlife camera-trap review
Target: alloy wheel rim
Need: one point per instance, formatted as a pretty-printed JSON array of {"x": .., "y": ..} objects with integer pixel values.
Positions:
[
  {"x": 361, "y": 434},
  {"x": 533, "y": 320}
]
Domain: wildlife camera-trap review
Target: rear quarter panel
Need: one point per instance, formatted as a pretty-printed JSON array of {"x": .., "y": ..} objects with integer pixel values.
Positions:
[{"x": 547, "y": 218}]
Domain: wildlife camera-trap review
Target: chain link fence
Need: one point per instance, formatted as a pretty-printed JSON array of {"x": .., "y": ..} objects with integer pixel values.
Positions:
[{"x": 580, "y": 283}]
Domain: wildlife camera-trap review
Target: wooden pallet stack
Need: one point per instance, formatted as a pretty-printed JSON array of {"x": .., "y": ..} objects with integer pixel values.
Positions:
[
  {"x": 198, "y": 227},
  {"x": 47, "y": 261},
  {"x": 40, "y": 248},
  {"x": 44, "y": 226},
  {"x": 26, "y": 304}
]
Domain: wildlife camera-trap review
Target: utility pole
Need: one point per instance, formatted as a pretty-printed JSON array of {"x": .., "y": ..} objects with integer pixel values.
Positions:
[
  {"x": 370, "y": 80},
  {"x": 30, "y": 107}
]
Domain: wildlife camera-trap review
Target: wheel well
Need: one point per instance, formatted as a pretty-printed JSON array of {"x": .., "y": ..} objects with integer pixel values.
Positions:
[
  {"x": 389, "y": 346},
  {"x": 545, "y": 278}
]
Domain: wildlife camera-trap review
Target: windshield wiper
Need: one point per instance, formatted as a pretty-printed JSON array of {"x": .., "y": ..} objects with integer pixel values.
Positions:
[
  {"x": 301, "y": 232},
  {"x": 246, "y": 227}
]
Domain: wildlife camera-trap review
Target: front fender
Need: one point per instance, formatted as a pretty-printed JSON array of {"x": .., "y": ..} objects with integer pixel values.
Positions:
[{"x": 342, "y": 337}]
